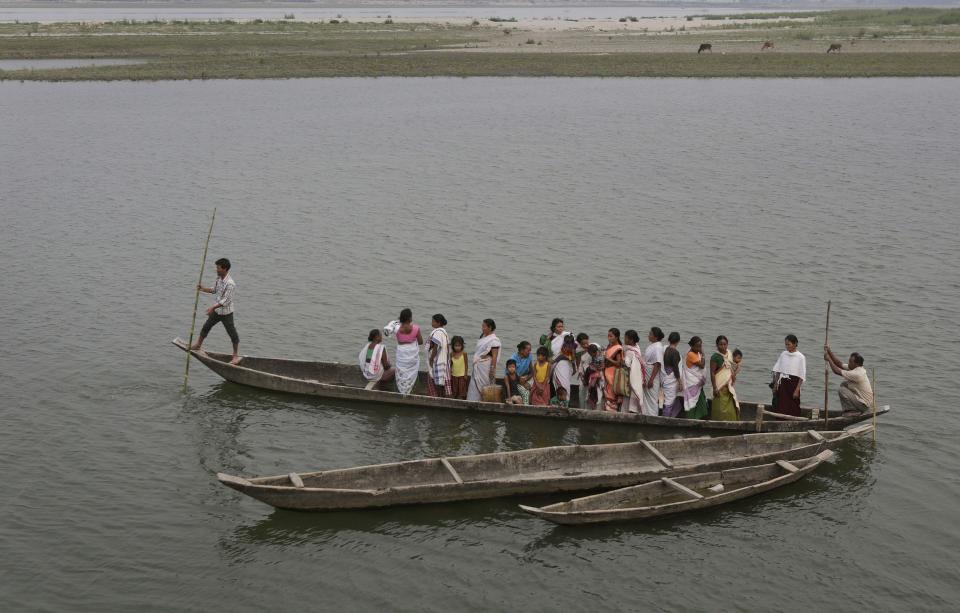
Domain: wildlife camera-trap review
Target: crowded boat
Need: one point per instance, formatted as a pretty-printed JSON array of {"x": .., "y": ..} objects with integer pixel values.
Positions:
[{"x": 650, "y": 374}]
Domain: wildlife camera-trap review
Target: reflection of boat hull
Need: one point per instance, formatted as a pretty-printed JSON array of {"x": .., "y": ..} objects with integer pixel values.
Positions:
[
  {"x": 671, "y": 496},
  {"x": 529, "y": 471},
  {"x": 344, "y": 382}
]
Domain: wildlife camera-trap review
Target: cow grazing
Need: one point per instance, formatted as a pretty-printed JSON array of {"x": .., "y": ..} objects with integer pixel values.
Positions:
[
  {"x": 705, "y": 47},
  {"x": 767, "y": 45},
  {"x": 835, "y": 47}
]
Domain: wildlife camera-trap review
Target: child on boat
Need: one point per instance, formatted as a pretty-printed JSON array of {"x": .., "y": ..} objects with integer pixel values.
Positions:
[
  {"x": 458, "y": 368},
  {"x": 511, "y": 384},
  {"x": 737, "y": 359},
  {"x": 540, "y": 383},
  {"x": 594, "y": 378}
]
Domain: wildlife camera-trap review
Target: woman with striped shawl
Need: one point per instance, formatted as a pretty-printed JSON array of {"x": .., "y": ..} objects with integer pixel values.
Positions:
[
  {"x": 438, "y": 377},
  {"x": 694, "y": 378}
]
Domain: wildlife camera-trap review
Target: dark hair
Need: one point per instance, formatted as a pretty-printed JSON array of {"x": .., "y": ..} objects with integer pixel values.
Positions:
[
  {"x": 583, "y": 336},
  {"x": 373, "y": 334},
  {"x": 440, "y": 319},
  {"x": 632, "y": 336},
  {"x": 857, "y": 358},
  {"x": 522, "y": 344},
  {"x": 792, "y": 339},
  {"x": 553, "y": 324},
  {"x": 223, "y": 262},
  {"x": 541, "y": 350},
  {"x": 694, "y": 340},
  {"x": 657, "y": 333},
  {"x": 722, "y": 338},
  {"x": 737, "y": 352},
  {"x": 491, "y": 324},
  {"x": 615, "y": 332},
  {"x": 405, "y": 316},
  {"x": 457, "y": 339},
  {"x": 674, "y": 337},
  {"x": 593, "y": 348},
  {"x": 511, "y": 361}
]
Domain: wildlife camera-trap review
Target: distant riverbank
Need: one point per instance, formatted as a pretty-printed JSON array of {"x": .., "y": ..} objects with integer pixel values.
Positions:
[{"x": 866, "y": 43}]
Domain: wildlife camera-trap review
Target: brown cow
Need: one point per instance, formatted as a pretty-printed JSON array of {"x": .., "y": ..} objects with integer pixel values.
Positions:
[
  {"x": 705, "y": 47},
  {"x": 767, "y": 45},
  {"x": 834, "y": 47}
]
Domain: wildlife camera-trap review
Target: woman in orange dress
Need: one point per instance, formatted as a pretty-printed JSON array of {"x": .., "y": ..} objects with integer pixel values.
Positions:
[{"x": 612, "y": 360}]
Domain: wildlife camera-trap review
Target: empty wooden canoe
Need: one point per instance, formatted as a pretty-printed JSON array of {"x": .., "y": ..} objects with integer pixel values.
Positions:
[
  {"x": 667, "y": 496},
  {"x": 344, "y": 382},
  {"x": 530, "y": 471}
]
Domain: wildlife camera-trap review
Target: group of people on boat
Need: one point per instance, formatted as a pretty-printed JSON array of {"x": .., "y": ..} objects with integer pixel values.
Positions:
[
  {"x": 656, "y": 380},
  {"x": 659, "y": 379}
]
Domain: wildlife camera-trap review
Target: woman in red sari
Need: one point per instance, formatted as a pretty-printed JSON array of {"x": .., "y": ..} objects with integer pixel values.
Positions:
[{"x": 612, "y": 360}]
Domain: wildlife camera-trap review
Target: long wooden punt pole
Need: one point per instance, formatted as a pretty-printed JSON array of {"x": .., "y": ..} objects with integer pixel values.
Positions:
[
  {"x": 196, "y": 299},
  {"x": 826, "y": 373},
  {"x": 874, "y": 406}
]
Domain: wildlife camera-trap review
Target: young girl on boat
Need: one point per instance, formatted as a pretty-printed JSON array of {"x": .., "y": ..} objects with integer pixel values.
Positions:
[
  {"x": 540, "y": 383},
  {"x": 458, "y": 369}
]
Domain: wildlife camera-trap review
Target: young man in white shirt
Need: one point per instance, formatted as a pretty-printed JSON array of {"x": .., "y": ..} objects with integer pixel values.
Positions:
[
  {"x": 222, "y": 311},
  {"x": 856, "y": 394}
]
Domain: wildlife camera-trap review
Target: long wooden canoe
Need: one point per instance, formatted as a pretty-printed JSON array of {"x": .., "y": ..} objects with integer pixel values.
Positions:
[
  {"x": 668, "y": 496},
  {"x": 530, "y": 471},
  {"x": 344, "y": 382}
]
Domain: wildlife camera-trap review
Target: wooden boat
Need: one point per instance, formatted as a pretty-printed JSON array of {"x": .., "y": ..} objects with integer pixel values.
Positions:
[
  {"x": 530, "y": 471},
  {"x": 667, "y": 496},
  {"x": 344, "y": 382}
]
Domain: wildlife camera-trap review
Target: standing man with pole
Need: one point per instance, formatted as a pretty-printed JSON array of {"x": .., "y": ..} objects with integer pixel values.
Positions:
[{"x": 222, "y": 311}]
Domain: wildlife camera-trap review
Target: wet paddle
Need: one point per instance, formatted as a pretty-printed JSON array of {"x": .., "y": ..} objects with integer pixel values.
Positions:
[{"x": 196, "y": 299}]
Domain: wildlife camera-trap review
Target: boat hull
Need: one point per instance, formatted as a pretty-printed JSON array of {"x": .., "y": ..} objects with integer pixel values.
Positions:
[
  {"x": 590, "y": 510},
  {"x": 344, "y": 382},
  {"x": 530, "y": 471}
]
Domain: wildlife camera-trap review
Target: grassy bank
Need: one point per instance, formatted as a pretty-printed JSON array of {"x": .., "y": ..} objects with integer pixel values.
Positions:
[{"x": 290, "y": 49}]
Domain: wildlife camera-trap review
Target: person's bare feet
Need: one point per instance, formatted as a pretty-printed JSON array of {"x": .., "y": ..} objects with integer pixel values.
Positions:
[
  {"x": 236, "y": 360},
  {"x": 195, "y": 347}
]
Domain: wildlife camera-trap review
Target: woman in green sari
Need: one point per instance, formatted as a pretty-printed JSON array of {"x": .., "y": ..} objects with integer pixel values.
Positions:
[{"x": 724, "y": 406}]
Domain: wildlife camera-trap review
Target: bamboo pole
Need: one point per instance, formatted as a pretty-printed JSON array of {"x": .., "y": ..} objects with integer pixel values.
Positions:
[
  {"x": 874, "y": 406},
  {"x": 826, "y": 374},
  {"x": 196, "y": 298}
]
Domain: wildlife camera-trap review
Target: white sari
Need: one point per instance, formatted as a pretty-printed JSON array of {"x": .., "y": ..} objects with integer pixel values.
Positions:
[
  {"x": 636, "y": 401},
  {"x": 694, "y": 379},
  {"x": 652, "y": 356},
  {"x": 563, "y": 370},
  {"x": 372, "y": 370},
  {"x": 408, "y": 360},
  {"x": 481, "y": 366}
]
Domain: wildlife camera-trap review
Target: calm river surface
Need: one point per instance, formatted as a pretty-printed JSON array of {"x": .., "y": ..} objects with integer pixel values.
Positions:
[{"x": 705, "y": 206}]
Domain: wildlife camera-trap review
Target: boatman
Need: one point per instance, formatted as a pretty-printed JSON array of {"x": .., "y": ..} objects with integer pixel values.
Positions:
[
  {"x": 222, "y": 311},
  {"x": 856, "y": 394}
]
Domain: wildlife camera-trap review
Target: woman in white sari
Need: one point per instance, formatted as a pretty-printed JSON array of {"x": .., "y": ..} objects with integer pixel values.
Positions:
[
  {"x": 563, "y": 370},
  {"x": 374, "y": 364},
  {"x": 484, "y": 361},
  {"x": 408, "y": 349},
  {"x": 633, "y": 359},
  {"x": 694, "y": 400},
  {"x": 653, "y": 356}
]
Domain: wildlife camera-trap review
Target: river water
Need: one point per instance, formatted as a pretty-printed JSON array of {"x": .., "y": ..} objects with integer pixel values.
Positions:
[{"x": 704, "y": 206}]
